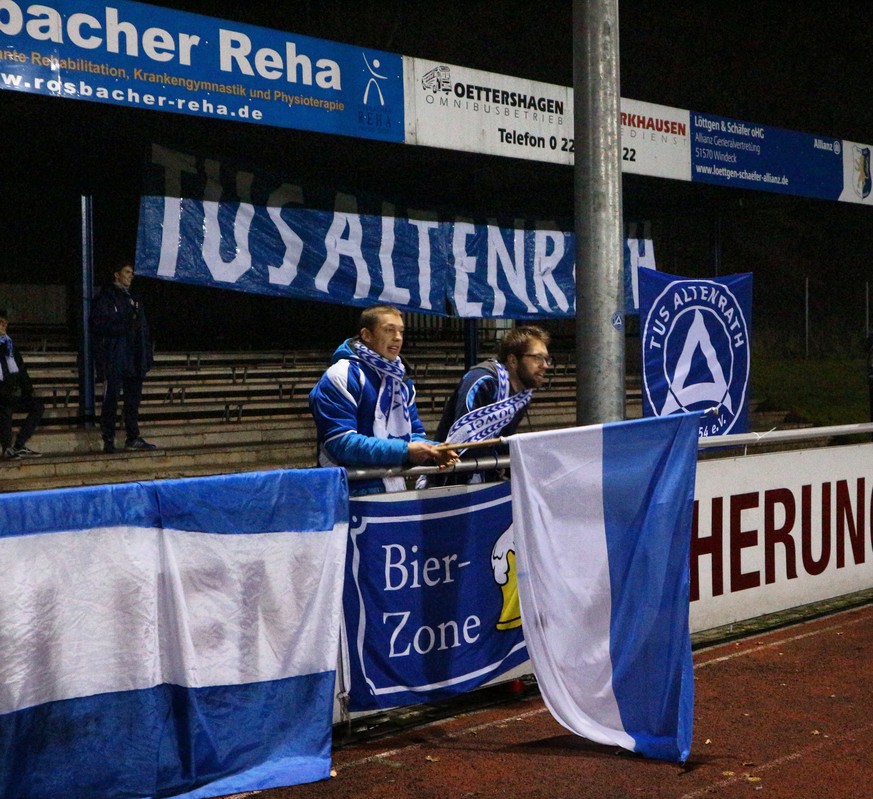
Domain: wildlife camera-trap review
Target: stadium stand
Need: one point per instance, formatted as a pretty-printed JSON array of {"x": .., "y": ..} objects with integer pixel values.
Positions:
[{"x": 215, "y": 412}]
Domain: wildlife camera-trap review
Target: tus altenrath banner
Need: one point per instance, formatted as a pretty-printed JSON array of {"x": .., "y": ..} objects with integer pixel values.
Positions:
[
  {"x": 696, "y": 348},
  {"x": 214, "y": 223}
]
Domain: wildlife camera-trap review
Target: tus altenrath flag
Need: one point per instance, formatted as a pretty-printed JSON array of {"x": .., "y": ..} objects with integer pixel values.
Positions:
[
  {"x": 696, "y": 341},
  {"x": 602, "y": 519}
]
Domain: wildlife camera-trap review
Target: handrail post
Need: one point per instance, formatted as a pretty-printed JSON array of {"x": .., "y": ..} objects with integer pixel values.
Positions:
[{"x": 86, "y": 359}]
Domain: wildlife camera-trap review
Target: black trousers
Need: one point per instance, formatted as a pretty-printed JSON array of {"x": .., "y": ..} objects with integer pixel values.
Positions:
[
  {"x": 32, "y": 406},
  {"x": 131, "y": 389}
]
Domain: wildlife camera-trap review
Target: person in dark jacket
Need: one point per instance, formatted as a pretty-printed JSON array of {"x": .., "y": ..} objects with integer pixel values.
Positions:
[
  {"x": 493, "y": 397},
  {"x": 16, "y": 396},
  {"x": 123, "y": 356}
]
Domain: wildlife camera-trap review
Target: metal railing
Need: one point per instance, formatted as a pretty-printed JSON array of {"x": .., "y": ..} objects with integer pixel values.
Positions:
[{"x": 488, "y": 462}]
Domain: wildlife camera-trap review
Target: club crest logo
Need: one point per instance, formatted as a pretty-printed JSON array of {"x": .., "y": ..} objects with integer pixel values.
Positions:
[
  {"x": 861, "y": 171},
  {"x": 696, "y": 354}
]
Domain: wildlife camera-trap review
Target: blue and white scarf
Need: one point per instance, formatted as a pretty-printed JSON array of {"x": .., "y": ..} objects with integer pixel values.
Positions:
[
  {"x": 11, "y": 366},
  {"x": 489, "y": 420},
  {"x": 392, "y": 413}
]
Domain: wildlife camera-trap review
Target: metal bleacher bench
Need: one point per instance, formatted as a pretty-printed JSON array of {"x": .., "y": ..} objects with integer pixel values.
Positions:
[{"x": 237, "y": 386}]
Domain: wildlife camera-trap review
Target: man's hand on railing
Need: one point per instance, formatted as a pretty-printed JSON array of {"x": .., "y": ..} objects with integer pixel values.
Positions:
[{"x": 421, "y": 453}]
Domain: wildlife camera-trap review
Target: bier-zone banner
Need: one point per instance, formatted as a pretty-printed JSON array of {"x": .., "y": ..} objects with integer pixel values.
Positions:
[{"x": 430, "y": 598}]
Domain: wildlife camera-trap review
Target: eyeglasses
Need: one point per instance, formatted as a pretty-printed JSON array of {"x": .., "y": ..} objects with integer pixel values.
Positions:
[{"x": 542, "y": 360}]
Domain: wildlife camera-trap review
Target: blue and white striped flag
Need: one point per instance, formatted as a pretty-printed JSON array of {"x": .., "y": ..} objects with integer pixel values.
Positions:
[
  {"x": 602, "y": 519},
  {"x": 175, "y": 638}
]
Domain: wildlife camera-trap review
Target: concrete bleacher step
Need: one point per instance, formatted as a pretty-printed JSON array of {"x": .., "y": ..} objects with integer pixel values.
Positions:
[
  {"x": 257, "y": 389},
  {"x": 73, "y": 457},
  {"x": 78, "y": 460},
  {"x": 172, "y": 436}
]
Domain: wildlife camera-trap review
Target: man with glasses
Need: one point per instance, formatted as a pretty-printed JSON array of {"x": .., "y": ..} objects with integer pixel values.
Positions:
[{"x": 492, "y": 398}]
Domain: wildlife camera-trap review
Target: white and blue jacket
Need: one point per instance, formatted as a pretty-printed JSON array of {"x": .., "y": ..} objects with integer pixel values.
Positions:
[{"x": 343, "y": 404}]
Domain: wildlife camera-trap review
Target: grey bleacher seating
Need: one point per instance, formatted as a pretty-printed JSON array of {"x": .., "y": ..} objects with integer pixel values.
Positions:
[{"x": 219, "y": 411}]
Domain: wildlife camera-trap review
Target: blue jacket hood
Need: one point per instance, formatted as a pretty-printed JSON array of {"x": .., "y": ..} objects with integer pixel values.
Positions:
[{"x": 344, "y": 351}]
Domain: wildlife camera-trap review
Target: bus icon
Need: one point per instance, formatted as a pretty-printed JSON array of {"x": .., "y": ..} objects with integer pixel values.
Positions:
[{"x": 437, "y": 80}]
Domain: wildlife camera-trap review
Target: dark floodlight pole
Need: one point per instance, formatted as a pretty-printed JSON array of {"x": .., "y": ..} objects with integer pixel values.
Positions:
[{"x": 600, "y": 360}]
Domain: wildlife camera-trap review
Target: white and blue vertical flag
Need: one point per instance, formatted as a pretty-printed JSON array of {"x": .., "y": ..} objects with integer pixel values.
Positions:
[
  {"x": 175, "y": 638},
  {"x": 602, "y": 518}
]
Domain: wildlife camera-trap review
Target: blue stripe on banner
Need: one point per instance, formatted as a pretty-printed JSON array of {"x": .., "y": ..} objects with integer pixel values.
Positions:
[
  {"x": 255, "y": 502},
  {"x": 649, "y": 561},
  {"x": 35, "y": 512},
  {"x": 106, "y": 745}
]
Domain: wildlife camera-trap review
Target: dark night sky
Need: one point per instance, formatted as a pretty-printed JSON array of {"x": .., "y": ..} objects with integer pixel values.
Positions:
[
  {"x": 800, "y": 65},
  {"x": 803, "y": 66}
]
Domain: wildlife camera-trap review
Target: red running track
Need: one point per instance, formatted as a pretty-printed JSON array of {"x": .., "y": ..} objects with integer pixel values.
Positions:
[{"x": 786, "y": 714}]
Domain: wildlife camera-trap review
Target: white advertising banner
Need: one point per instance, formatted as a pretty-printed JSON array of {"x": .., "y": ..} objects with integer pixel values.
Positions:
[
  {"x": 457, "y": 108},
  {"x": 776, "y": 531},
  {"x": 655, "y": 140}
]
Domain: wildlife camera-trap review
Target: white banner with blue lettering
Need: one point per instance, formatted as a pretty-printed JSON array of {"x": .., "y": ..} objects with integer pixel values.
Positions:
[
  {"x": 431, "y": 600},
  {"x": 212, "y": 223},
  {"x": 695, "y": 334},
  {"x": 173, "y": 638},
  {"x": 602, "y": 519}
]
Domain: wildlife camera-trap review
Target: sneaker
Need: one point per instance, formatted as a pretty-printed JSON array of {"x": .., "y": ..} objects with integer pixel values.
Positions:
[
  {"x": 10, "y": 453},
  {"x": 109, "y": 447},
  {"x": 25, "y": 452},
  {"x": 138, "y": 443}
]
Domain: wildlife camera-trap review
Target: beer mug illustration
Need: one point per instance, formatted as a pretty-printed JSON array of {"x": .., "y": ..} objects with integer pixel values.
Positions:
[
  {"x": 862, "y": 171},
  {"x": 506, "y": 576}
]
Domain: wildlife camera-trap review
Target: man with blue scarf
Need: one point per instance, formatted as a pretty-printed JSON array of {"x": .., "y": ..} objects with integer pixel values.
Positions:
[
  {"x": 16, "y": 395},
  {"x": 364, "y": 406},
  {"x": 493, "y": 397}
]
